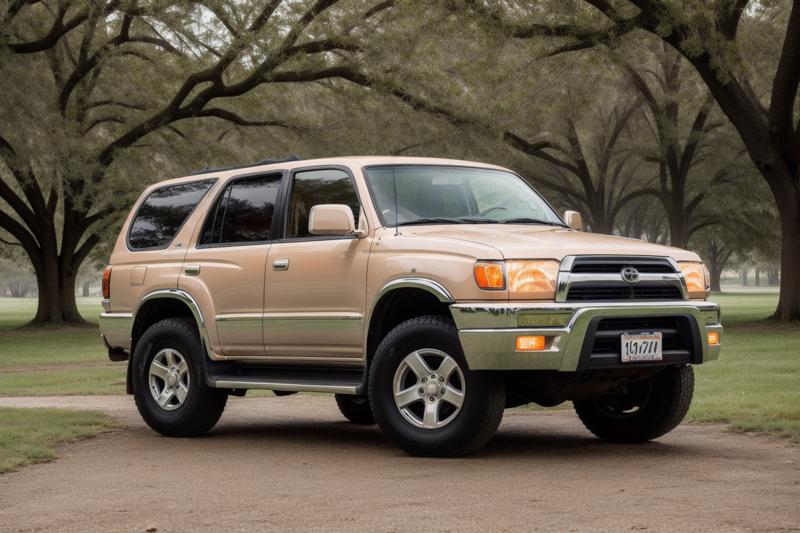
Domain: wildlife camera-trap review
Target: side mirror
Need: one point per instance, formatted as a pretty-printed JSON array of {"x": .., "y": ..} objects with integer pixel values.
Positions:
[
  {"x": 574, "y": 220},
  {"x": 331, "y": 219}
]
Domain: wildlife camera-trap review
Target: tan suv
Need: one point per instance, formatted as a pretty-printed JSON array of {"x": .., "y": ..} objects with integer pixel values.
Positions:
[{"x": 428, "y": 295}]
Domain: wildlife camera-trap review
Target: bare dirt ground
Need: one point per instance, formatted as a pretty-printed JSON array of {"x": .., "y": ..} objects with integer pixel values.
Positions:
[{"x": 293, "y": 464}]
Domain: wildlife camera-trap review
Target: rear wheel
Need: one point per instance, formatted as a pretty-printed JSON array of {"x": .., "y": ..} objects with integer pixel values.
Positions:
[
  {"x": 168, "y": 381},
  {"x": 355, "y": 408},
  {"x": 647, "y": 410},
  {"x": 423, "y": 395}
]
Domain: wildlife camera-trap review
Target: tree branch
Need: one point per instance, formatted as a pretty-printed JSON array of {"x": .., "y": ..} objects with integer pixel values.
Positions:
[{"x": 59, "y": 28}]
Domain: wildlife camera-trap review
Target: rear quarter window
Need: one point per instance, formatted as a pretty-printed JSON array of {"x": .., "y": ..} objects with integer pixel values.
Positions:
[{"x": 163, "y": 213}]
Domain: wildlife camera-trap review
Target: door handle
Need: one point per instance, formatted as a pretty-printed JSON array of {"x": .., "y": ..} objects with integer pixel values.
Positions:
[
  {"x": 280, "y": 264},
  {"x": 191, "y": 270}
]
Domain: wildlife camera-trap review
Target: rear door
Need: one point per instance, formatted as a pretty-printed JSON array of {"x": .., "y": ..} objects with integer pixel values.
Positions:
[{"x": 228, "y": 261}]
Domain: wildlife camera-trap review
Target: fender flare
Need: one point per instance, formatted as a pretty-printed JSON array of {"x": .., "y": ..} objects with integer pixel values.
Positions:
[
  {"x": 189, "y": 301},
  {"x": 433, "y": 287}
]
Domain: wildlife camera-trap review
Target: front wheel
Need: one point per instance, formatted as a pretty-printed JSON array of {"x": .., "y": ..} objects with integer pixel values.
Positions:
[
  {"x": 647, "y": 410},
  {"x": 423, "y": 395},
  {"x": 168, "y": 383}
]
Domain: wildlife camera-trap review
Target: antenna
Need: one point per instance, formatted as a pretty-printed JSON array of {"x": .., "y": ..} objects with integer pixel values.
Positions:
[{"x": 396, "y": 213}]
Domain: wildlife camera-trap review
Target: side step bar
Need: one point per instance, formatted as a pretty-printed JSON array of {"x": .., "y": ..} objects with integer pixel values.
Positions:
[
  {"x": 287, "y": 386},
  {"x": 296, "y": 379}
]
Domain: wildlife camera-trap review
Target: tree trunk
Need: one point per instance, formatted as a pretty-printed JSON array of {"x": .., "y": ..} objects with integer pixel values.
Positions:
[
  {"x": 773, "y": 277},
  {"x": 758, "y": 278},
  {"x": 86, "y": 288},
  {"x": 789, "y": 302},
  {"x": 716, "y": 279},
  {"x": 787, "y": 198},
  {"x": 56, "y": 300},
  {"x": 744, "y": 277}
]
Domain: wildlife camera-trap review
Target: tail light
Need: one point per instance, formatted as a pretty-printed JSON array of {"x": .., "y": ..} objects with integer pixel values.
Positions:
[{"x": 107, "y": 282}]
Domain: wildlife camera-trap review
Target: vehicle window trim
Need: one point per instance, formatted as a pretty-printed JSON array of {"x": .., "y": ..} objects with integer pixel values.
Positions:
[
  {"x": 226, "y": 187},
  {"x": 287, "y": 198},
  {"x": 214, "y": 180},
  {"x": 364, "y": 170}
]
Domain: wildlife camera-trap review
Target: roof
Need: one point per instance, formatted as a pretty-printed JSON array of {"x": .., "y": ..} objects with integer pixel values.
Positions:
[{"x": 352, "y": 161}]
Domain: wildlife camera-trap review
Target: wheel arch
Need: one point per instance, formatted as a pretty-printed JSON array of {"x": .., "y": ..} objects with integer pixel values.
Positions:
[
  {"x": 400, "y": 300},
  {"x": 159, "y": 305}
]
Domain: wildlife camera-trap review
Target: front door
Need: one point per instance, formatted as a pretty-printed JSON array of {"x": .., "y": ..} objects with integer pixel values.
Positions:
[
  {"x": 229, "y": 260},
  {"x": 316, "y": 286}
]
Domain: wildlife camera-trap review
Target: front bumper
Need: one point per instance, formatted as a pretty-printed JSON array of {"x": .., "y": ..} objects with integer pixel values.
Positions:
[{"x": 488, "y": 331}]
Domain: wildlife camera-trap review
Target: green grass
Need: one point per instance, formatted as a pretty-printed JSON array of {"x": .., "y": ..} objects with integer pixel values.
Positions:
[
  {"x": 30, "y": 435},
  {"x": 47, "y": 346},
  {"x": 754, "y": 384},
  {"x": 77, "y": 380},
  {"x": 51, "y": 347},
  {"x": 15, "y": 312}
]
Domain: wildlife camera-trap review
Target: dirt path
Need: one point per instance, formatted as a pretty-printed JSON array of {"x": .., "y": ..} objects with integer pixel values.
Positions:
[{"x": 292, "y": 464}]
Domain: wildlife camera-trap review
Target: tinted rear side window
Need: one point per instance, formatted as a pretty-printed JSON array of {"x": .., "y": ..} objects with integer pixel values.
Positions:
[
  {"x": 243, "y": 213},
  {"x": 314, "y": 187},
  {"x": 163, "y": 213}
]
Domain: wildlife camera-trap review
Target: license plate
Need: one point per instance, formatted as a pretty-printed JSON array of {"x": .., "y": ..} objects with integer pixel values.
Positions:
[{"x": 641, "y": 347}]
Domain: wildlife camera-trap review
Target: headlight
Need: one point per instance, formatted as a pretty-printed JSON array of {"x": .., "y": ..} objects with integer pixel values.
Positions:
[
  {"x": 697, "y": 279},
  {"x": 531, "y": 279}
]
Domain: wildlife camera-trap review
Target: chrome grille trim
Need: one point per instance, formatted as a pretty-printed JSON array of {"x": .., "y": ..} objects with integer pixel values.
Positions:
[{"x": 567, "y": 279}]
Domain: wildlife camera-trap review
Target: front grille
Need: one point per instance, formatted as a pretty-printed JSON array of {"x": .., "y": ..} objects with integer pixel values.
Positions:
[
  {"x": 608, "y": 265},
  {"x": 613, "y": 268},
  {"x": 676, "y": 333},
  {"x": 641, "y": 291}
]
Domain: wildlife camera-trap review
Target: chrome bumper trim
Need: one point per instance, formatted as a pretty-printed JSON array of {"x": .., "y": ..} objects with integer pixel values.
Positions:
[
  {"x": 116, "y": 329},
  {"x": 488, "y": 331}
]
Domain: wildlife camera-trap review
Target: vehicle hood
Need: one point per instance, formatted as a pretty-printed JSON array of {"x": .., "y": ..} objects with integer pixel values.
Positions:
[{"x": 547, "y": 242}]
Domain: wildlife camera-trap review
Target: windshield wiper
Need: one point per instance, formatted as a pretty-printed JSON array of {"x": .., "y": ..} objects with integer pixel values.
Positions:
[
  {"x": 450, "y": 220},
  {"x": 434, "y": 220},
  {"x": 479, "y": 220},
  {"x": 532, "y": 221}
]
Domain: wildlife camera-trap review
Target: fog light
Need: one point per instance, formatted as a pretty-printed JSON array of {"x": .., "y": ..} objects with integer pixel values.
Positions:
[
  {"x": 713, "y": 338},
  {"x": 530, "y": 343}
]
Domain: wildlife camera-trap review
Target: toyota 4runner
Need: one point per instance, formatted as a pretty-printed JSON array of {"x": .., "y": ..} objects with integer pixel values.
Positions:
[{"x": 428, "y": 295}]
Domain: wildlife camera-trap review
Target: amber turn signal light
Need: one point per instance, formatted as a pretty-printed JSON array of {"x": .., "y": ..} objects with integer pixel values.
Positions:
[
  {"x": 696, "y": 279},
  {"x": 489, "y": 275},
  {"x": 713, "y": 338},
  {"x": 530, "y": 343},
  {"x": 107, "y": 282}
]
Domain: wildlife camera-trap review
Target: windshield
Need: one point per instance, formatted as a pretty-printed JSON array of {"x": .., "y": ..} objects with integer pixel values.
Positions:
[{"x": 435, "y": 194}]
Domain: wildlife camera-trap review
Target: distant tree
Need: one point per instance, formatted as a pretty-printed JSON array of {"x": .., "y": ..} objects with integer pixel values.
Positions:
[
  {"x": 745, "y": 225},
  {"x": 16, "y": 277},
  {"x": 591, "y": 170},
  {"x": 683, "y": 131}
]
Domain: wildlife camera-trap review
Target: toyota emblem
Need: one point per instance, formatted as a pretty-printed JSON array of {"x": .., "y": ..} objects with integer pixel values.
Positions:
[{"x": 630, "y": 274}]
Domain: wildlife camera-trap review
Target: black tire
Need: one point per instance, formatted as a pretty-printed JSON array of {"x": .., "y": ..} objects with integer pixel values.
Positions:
[
  {"x": 202, "y": 405},
  {"x": 660, "y": 404},
  {"x": 483, "y": 401},
  {"x": 355, "y": 408}
]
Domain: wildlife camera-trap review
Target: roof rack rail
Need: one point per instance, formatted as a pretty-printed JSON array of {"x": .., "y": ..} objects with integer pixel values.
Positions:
[{"x": 207, "y": 170}]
